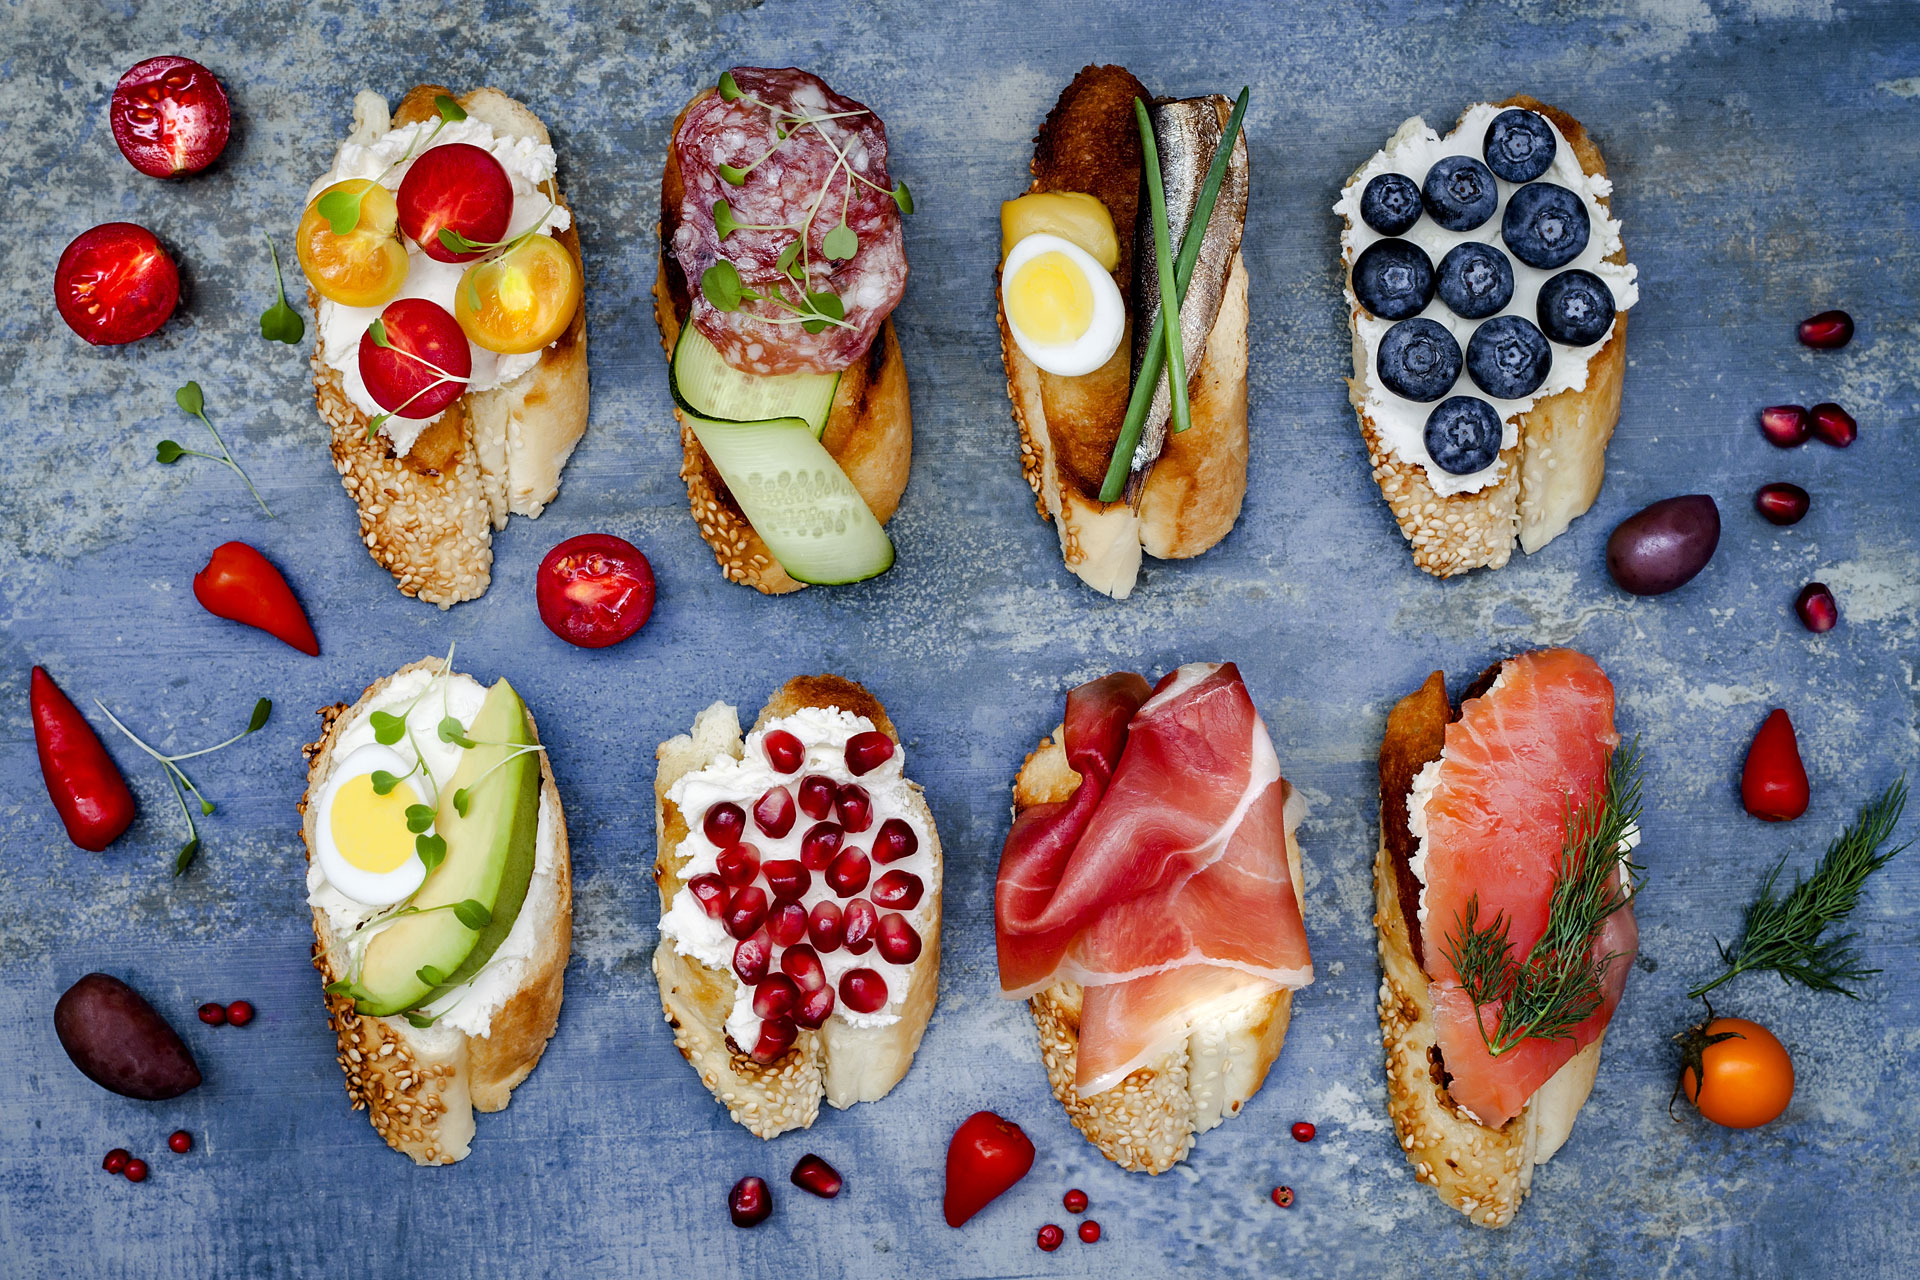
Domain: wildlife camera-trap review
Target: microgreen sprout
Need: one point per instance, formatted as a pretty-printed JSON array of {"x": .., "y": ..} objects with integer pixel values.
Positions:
[
  {"x": 177, "y": 778},
  {"x": 341, "y": 208},
  {"x": 190, "y": 399},
  {"x": 280, "y": 322}
]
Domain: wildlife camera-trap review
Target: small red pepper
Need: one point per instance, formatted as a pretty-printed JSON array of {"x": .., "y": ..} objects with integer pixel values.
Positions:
[
  {"x": 86, "y": 787},
  {"x": 988, "y": 1154},
  {"x": 242, "y": 585},
  {"x": 1773, "y": 785}
]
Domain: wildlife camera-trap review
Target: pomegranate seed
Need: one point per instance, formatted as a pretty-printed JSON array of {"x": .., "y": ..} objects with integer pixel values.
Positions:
[
  {"x": 752, "y": 956},
  {"x": 1283, "y": 1196},
  {"x": 788, "y": 878},
  {"x": 815, "y": 1007},
  {"x": 863, "y": 990},
  {"x": 746, "y": 911},
  {"x": 1050, "y": 1238},
  {"x": 1834, "y": 425},
  {"x": 900, "y": 890},
  {"x": 749, "y": 1203},
  {"x": 1089, "y": 1232},
  {"x": 848, "y": 874},
  {"x": 1303, "y": 1131},
  {"x": 710, "y": 891},
  {"x": 136, "y": 1170},
  {"x": 855, "y": 806},
  {"x": 785, "y": 752},
  {"x": 1786, "y": 425},
  {"x": 1816, "y": 607},
  {"x": 1782, "y": 503},
  {"x": 773, "y": 811},
  {"x": 894, "y": 841},
  {"x": 802, "y": 964},
  {"x": 824, "y": 928},
  {"x": 180, "y": 1141},
  {"x": 214, "y": 1015},
  {"x": 776, "y": 1037},
  {"x": 868, "y": 751},
  {"x": 821, "y": 842},
  {"x": 1828, "y": 330},
  {"x": 816, "y": 1175},
  {"x": 724, "y": 824},
  {"x": 898, "y": 942},
  {"x": 738, "y": 864},
  {"x": 816, "y": 795},
  {"x": 239, "y": 1013},
  {"x": 857, "y": 925},
  {"x": 1075, "y": 1201},
  {"x": 116, "y": 1161},
  {"x": 775, "y": 997},
  {"x": 787, "y": 922}
]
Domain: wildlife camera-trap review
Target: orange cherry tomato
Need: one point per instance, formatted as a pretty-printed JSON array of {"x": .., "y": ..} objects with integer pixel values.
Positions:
[
  {"x": 363, "y": 268},
  {"x": 521, "y": 300},
  {"x": 1748, "y": 1075}
]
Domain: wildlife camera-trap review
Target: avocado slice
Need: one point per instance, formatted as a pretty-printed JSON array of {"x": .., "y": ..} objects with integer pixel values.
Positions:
[{"x": 489, "y": 859}]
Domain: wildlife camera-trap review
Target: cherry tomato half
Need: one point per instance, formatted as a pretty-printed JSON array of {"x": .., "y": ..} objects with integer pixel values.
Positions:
[
  {"x": 594, "y": 590},
  {"x": 170, "y": 116},
  {"x": 115, "y": 284},
  {"x": 425, "y": 365},
  {"x": 456, "y": 187},
  {"x": 1749, "y": 1077},
  {"x": 521, "y": 300},
  {"x": 363, "y": 268}
]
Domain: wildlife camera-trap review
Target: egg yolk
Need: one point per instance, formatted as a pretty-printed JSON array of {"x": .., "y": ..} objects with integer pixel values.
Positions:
[
  {"x": 370, "y": 829},
  {"x": 1050, "y": 300}
]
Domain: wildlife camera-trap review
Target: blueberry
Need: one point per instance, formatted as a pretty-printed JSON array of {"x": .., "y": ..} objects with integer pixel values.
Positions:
[
  {"x": 1508, "y": 357},
  {"x": 1390, "y": 204},
  {"x": 1460, "y": 193},
  {"x": 1463, "y": 435},
  {"x": 1393, "y": 279},
  {"x": 1476, "y": 280},
  {"x": 1576, "y": 308},
  {"x": 1419, "y": 360},
  {"x": 1545, "y": 225},
  {"x": 1519, "y": 145}
]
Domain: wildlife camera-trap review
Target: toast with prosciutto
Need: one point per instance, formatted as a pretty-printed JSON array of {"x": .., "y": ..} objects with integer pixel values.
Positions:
[
  {"x": 782, "y": 257},
  {"x": 1503, "y": 902},
  {"x": 1148, "y": 908}
]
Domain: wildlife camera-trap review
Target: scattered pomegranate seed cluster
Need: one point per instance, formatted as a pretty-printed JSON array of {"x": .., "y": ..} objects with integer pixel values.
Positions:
[
  {"x": 123, "y": 1163},
  {"x": 237, "y": 1014},
  {"x": 750, "y": 1202},
  {"x": 1791, "y": 425},
  {"x": 1051, "y": 1236}
]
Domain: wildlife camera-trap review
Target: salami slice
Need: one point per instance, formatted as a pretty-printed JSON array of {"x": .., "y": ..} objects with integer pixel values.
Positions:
[{"x": 829, "y": 171}]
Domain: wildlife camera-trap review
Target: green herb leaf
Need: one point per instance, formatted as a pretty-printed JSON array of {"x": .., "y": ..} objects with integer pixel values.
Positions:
[
  {"x": 432, "y": 851},
  {"x": 280, "y": 322},
  {"x": 184, "y": 859},
  {"x": 841, "y": 243},
  {"x": 788, "y": 256},
  {"x": 419, "y": 1020},
  {"x": 419, "y": 817},
  {"x": 721, "y": 285},
  {"x": 430, "y": 975},
  {"x": 261, "y": 710},
  {"x": 454, "y": 242},
  {"x": 451, "y": 730},
  {"x": 340, "y": 988},
  {"x": 206, "y": 807},
  {"x": 450, "y": 111},
  {"x": 190, "y": 399},
  {"x": 729, "y": 90},
  {"x": 387, "y": 727},
  {"x": 168, "y": 451},
  {"x": 460, "y": 801},
  {"x": 384, "y": 782},
  {"x": 823, "y": 304},
  {"x": 723, "y": 220},
  {"x": 341, "y": 209},
  {"x": 903, "y": 197},
  {"x": 472, "y": 914},
  {"x": 735, "y": 177},
  {"x": 379, "y": 331}
]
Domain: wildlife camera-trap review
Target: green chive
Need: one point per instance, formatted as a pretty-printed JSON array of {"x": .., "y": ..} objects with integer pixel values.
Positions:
[{"x": 1163, "y": 259}]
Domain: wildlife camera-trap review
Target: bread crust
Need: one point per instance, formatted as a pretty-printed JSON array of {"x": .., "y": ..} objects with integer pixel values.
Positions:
[
  {"x": 839, "y": 1063},
  {"x": 428, "y": 517},
  {"x": 420, "y": 1089},
  {"x": 1553, "y": 472},
  {"x": 869, "y": 430},
  {"x": 1148, "y": 1122}
]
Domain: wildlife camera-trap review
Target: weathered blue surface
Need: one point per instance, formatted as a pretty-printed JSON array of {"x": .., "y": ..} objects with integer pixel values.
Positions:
[{"x": 1766, "y": 161}]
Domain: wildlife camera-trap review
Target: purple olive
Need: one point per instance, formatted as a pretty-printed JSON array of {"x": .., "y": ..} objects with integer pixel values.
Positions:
[
  {"x": 1664, "y": 546},
  {"x": 120, "y": 1043}
]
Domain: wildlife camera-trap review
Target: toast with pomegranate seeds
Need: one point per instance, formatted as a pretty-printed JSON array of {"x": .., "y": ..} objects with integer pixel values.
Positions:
[{"x": 849, "y": 1056}]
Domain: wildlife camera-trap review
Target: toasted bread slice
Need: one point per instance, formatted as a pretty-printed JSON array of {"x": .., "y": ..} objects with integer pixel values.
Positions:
[
  {"x": 420, "y": 1087},
  {"x": 428, "y": 517},
  {"x": 839, "y": 1062},
  {"x": 1149, "y": 1120}
]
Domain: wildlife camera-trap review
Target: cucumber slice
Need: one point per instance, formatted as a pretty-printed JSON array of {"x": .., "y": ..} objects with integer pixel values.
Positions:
[{"x": 707, "y": 386}]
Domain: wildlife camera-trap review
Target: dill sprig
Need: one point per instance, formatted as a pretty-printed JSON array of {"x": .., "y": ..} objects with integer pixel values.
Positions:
[
  {"x": 1560, "y": 983},
  {"x": 1789, "y": 935}
]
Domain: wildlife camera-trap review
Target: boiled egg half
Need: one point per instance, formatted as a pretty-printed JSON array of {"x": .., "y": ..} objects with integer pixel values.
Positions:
[
  {"x": 361, "y": 836},
  {"x": 1065, "y": 311}
]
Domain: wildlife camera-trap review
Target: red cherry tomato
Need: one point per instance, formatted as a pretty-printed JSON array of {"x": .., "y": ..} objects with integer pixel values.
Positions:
[
  {"x": 242, "y": 585},
  {"x": 1773, "y": 785},
  {"x": 988, "y": 1154},
  {"x": 86, "y": 787},
  {"x": 594, "y": 590},
  {"x": 115, "y": 284},
  {"x": 424, "y": 366},
  {"x": 170, "y": 116},
  {"x": 457, "y": 187}
]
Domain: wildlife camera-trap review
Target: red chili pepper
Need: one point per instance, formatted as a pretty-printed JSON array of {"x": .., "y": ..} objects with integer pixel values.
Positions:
[
  {"x": 1773, "y": 785},
  {"x": 241, "y": 584},
  {"x": 86, "y": 787},
  {"x": 988, "y": 1154}
]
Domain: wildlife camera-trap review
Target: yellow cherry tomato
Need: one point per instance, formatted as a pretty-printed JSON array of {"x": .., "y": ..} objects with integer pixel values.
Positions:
[
  {"x": 365, "y": 267},
  {"x": 1748, "y": 1075},
  {"x": 521, "y": 300}
]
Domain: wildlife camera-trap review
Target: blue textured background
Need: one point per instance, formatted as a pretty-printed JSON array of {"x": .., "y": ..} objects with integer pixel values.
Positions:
[{"x": 1766, "y": 159}]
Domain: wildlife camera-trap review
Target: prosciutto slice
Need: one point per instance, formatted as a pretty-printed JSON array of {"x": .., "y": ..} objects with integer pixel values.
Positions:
[{"x": 1161, "y": 886}]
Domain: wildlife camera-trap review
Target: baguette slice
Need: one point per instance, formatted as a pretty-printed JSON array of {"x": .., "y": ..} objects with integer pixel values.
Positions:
[
  {"x": 1149, "y": 1121},
  {"x": 1552, "y": 474},
  {"x": 869, "y": 431},
  {"x": 840, "y": 1063},
  {"x": 428, "y": 518},
  {"x": 420, "y": 1087}
]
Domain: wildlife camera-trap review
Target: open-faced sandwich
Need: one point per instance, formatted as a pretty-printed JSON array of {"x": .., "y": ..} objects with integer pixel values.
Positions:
[
  {"x": 1503, "y": 901},
  {"x": 450, "y": 347},
  {"x": 1487, "y": 289},
  {"x": 781, "y": 258},
  {"x": 442, "y": 900},
  {"x": 1124, "y": 456},
  {"x": 1149, "y": 908},
  {"x": 799, "y": 876}
]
